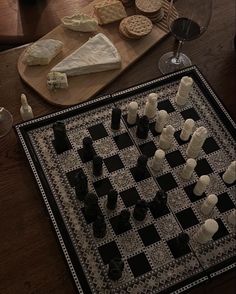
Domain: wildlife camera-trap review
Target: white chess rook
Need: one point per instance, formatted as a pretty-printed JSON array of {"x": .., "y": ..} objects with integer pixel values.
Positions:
[
  {"x": 188, "y": 169},
  {"x": 209, "y": 204},
  {"x": 161, "y": 120},
  {"x": 201, "y": 185},
  {"x": 157, "y": 160},
  {"x": 229, "y": 175},
  {"x": 185, "y": 87},
  {"x": 206, "y": 231},
  {"x": 232, "y": 218},
  {"x": 132, "y": 113},
  {"x": 187, "y": 129},
  {"x": 196, "y": 142},
  {"x": 166, "y": 137},
  {"x": 151, "y": 106}
]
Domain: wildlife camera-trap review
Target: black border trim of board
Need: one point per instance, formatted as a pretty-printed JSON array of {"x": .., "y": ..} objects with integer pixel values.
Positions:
[{"x": 53, "y": 210}]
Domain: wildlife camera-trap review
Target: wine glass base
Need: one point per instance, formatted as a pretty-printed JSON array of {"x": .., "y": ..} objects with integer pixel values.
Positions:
[
  {"x": 168, "y": 63},
  {"x": 6, "y": 122}
]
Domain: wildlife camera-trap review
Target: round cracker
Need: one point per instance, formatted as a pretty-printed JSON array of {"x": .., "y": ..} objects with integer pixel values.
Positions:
[
  {"x": 138, "y": 25},
  {"x": 148, "y": 6}
]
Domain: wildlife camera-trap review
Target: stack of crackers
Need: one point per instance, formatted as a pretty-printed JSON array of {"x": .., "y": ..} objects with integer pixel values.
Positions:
[{"x": 151, "y": 9}]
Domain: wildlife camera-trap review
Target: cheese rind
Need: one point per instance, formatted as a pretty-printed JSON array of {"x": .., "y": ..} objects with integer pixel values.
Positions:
[
  {"x": 96, "y": 55},
  {"x": 42, "y": 52},
  {"x": 80, "y": 22},
  {"x": 57, "y": 80}
]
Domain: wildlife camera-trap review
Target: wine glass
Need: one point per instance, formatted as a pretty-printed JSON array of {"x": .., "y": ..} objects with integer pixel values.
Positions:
[
  {"x": 192, "y": 21},
  {"x": 6, "y": 121}
]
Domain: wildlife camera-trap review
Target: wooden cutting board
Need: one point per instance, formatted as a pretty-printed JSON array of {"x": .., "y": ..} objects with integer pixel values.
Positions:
[{"x": 83, "y": 87}]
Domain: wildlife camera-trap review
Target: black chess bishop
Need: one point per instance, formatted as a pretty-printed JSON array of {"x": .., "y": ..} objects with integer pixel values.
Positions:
[
  {"x": 143, "y": 127},
  {"x": 158, "y": 204},
  {"x": 61, "y": 141},
  {"x": 140, "y": 210},
  {"x": 112, "y": 199},
  {"x": 123, "y": 220},
  {"x": 81, "y": 185},
  {"x": 115, "y": 119},
  {"x": 88, "y": 150},
  {"x": 140, "y": 168}
]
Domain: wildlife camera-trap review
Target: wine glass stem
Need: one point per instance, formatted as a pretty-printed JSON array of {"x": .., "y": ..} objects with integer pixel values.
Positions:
[{"x": 177, "y": 52}]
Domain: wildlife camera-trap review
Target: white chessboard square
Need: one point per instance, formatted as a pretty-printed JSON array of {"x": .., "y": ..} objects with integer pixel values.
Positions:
[{"x": 167, "y": 227}]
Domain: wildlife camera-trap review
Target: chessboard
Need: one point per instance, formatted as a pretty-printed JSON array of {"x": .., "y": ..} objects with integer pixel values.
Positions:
[{"x": 153, "y": 263}]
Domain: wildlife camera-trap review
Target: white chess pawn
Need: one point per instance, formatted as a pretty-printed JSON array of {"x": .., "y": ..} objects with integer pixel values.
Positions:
[
  {"x": 151, "y": 106},
  {"x": 184, "y": 90},
  {"x": 166, "y": 137},
  {"x": 187, "y": 129},
  {"x": 232, "y": 218},
  {"x": 201, "y": 185},
  {"x": 157, "y": 160},
  {"x": 25, "y": 110},
  {"x": 188, "y": 169},
  {"x": 132, "y": 113},
  {"x": 196, "y": 142},
  {"x": 229, "y": 175},
  {"x": 206, "y": 231},
  {"x": 209, "y": 204},
  {"x": 161, "y": 120}
]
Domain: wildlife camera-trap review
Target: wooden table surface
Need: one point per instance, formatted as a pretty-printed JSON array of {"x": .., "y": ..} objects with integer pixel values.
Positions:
[{"x": 31, "y": 261}]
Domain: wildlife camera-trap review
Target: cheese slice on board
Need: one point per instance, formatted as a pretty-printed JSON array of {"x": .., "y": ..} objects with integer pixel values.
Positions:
[
  {"x": 109, "y": 11},
  {"x": 80, "y": 22},
  {"x": 96, "y": 55}
]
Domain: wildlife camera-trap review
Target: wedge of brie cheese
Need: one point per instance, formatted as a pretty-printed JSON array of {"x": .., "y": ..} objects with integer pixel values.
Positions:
[
  {"x": 97, "y": 54},
  {"x": 80, "y": 22},
  {"x": 42, "y": 52}
]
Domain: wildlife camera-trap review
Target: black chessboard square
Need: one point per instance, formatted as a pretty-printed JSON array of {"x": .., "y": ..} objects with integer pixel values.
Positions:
[
  {"x": 109, "y": 251},
  {"x": 72, "y": 175},
  {"x": 227, "y": 185},
  {"x": 187, "y": 218},
  {"x": 139, "y": 265},
  {"x": 89, "y": 220},
  {"x": 118, "y": 229},
  {"x": 123, "y": 141},
  {"x": 130, "y": 196},
  {"x": 165, "y": 105},
  {"x": 152, "y": 129},
  {"x": 190, "y": 113},
  {"x": 137, "y": 178},
  {"x": 113, "y": 163},
  {"x": 189, "y": 191},
  {"x": 175, "y": 158},
  {"x": 148, "y": 149},
  {"x": 210, "y": 145},
  {"x": 156, "y": 213},
  {"x": 58, "y": 150},
  {"x": 167, "y": 182},
  {"x": 224, "y": 202},
  {"x": 102, "y": 187},
  {"x": 149, "y": 235},
  {"x": 203, "y": 167},
  {"x": 97, "y": 131},
  {"x": 176, "y": 250},
  {"x": 177, "y": 137},
  {"x": 80, "y": 151},
  {"x": 222, "y": 231}
]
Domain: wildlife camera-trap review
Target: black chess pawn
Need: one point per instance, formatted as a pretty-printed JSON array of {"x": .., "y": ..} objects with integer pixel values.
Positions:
[
  {"x": 91, "y": 207},
  {"x": 81, "y": 185},
  {"x": 115, "y": 119},
  {"x": 112, "y": 199},
  {"x": 88, "y": 150},
  {"x": 97, "y": 165},
  {"x": 140, "y": 168},
  {"x": 123, "y": 220},
  {"x": 116, "y": 267},
  {"x": 143, "y": 127},
  {"x": 61, "y": 141},
  {"x": 158, "y": 204},
  {"x": 140, "y": 210},
  {"x": 99, "y": 227}
]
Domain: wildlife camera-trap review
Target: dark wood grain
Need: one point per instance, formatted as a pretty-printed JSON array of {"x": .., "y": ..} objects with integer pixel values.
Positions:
[{"x": 31, "y": 261}]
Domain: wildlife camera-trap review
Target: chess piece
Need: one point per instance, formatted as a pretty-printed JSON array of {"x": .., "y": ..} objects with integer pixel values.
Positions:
[
  {"x": 112, "y": 199},
  {"x": 188, "y": 168},
  {"x": 187, "y": 129},
  {"x": 132, "y": 113},
  {"x": 161, "y": 120},
  {"x": 184, "y": 90},
  {"x": 182, "y": 241},
  {"x": 158, "y": 159},
  {"x": 140, "y": 210},
  {"x": 140, "y": 168},
  {"x": 209, "y": 204},
  {"x": 88, "y": 150},
  {"x": 201, "y": 185},
  {"x": 91, "y": 207},
  {"x": 143, "y": 127},
  {"x": 159, "y": 203},
  {"x": 61, "y": 141},
  {"x": 232, "y": 218},
  {"x": 123, "y": 220},
  {"x": 99, "y": 227},
  {"x": 115, "y": 119},
  {"x": 206, "y": 231},
  {"x": 116, "y": 267},
  {"x": 25, "y": 110},
  {"x": 151, "y": 106},
  {"x": 229, "y": 175},
  {"x": 97, "y": 166},
  {"x": 81, "y": 185},
  {"x": 196, "y": 142},
  {"x": 166, "y": 137}
]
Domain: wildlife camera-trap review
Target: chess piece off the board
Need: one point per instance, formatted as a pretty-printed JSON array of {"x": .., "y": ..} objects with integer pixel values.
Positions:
[
  {"x": 61, "y": 142},
  {"x": 229, "y": 175},
  {"x": 112, "y": 197},
  {"x": 151, "y": 106},
  {"x": 25, "y": 110},
  {"x": 161, "y": 120},
  {"x": 140, "y": 210},
  {"x": 99, "y": 227},
  {"x": 81, "y": 185},
  {"x": 184, "y": 89},
  {"x": 207, "y": 230},
  {"x": 196, "y": 142},
  {"x": 116, "y": 267}
]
